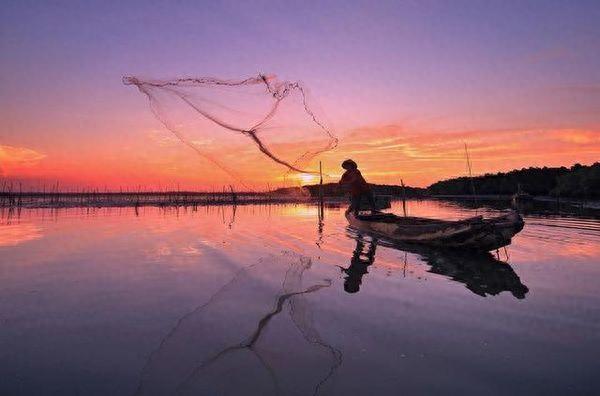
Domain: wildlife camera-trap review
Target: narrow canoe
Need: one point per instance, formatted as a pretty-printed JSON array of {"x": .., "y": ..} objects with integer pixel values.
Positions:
[{"x": 476, "y": 233}]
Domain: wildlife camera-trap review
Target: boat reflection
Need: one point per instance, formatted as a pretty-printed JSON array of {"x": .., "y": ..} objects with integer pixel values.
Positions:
[{"x": 480, "y": 272}]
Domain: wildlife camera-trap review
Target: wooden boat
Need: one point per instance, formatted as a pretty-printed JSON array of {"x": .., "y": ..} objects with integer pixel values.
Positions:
[{"x": 475, "y": 233}]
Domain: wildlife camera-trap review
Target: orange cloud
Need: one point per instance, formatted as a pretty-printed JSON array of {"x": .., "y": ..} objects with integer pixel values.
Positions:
[
  {"x": 577, "y": 137},
  {"x": 16, "y": 158},
  {"x": 385, "y": 154}
]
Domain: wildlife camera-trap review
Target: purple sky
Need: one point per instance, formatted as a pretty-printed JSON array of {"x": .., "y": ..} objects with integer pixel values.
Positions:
[{"x": 436, "y": 65}]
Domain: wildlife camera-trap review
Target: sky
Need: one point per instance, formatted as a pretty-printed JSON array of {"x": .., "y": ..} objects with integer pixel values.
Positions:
[{"x": 404, "y": 85}]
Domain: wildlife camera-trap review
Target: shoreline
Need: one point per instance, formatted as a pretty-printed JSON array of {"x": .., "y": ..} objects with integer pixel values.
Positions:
[
  {"x": 587, "y": 204},
  {"x": 188, "y": 199}
]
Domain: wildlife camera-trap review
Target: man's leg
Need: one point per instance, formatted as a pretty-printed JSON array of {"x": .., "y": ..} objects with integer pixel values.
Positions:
[
  {"x": 351, "y": 204},
  {"x": 355, "y": 206},
  {"x": 371, "y": 200}
]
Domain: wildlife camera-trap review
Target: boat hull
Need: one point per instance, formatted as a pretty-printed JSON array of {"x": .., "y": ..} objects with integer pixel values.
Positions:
[{"x": 475, "y": 233}]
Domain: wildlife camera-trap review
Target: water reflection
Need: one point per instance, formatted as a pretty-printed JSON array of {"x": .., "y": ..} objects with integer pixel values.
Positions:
[
  {"x": 539, "y": 206},
  {"x": 361, "y": 260},
  {"x": 230, "y": 332},
  {"x": 176, "y": 301},
  {"x": 480, "y": 272},
  {"x": 18, "y": 233}
]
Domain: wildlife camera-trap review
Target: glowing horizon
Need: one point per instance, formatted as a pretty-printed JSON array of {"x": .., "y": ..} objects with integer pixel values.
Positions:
[
  {"x": 403, "y": 94},
  {"x": 419, "y": 159}
]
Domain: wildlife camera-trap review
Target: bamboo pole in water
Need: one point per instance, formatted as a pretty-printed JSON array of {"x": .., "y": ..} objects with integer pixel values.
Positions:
[
  {"x": 403, "y": 197},
  {"x": 233, "y": 195},
  {"x": 321, "y": 211}
]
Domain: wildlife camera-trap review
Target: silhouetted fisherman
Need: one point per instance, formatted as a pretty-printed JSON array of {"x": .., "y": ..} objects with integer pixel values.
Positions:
[
  {"x": 358, "y": 265},
  {"x": 353, "y": 180}
]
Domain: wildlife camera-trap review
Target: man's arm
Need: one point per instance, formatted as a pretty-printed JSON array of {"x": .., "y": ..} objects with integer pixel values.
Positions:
[
  {"x": 343, "y": 179},
  {"x": 344, "y": 182},
  {"x": 347, "y": 178}
]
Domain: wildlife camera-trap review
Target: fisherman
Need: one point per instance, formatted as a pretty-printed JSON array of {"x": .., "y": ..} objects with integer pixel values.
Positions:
[{"x": 353, "y": 180}]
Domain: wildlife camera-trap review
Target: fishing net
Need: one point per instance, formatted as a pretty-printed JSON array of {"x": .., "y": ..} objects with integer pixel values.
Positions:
[
  {"x": 253, "y": 124},
  {"x": 256, "y": 335}
]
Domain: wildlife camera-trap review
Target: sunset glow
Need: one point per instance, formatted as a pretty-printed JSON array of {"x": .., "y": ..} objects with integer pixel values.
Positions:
[
  {"x": 402, "y": 96},
  {"x": 263, "y": 197}
]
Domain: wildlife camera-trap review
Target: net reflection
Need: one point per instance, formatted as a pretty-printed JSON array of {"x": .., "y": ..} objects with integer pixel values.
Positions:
[
  {"x": 480, "y": 272},
  {"x": 247, "y": 330}
]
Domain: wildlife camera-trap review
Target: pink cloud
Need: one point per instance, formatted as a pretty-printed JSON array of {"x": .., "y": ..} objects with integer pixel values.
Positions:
[{"x": 12, "y": 157}]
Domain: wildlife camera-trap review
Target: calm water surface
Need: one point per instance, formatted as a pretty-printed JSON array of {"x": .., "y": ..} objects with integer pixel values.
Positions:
[{"x": 267, "y": 300}]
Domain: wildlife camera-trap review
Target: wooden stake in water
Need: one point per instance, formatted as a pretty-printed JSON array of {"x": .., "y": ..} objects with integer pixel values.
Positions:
[
  {"x": 403, "y": 197},
  {"x": 321, "y": 211},
  {"x": 233, "y": 195}
]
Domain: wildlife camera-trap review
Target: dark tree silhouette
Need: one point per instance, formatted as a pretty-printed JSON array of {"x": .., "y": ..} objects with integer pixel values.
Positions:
[{"x": 579, "y": 181}]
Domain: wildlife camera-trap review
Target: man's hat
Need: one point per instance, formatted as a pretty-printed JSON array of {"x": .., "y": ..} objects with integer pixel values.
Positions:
[{"x": 349, "y": 164}]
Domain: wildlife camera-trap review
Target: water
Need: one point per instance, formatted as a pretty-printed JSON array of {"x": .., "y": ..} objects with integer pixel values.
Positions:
[{"x": 265, "y": 300}]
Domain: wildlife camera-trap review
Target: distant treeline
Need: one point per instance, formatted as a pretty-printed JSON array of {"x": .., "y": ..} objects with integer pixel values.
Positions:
[
  {"x": 579, "y": 181},
  {"x": 335, "y": 190}
]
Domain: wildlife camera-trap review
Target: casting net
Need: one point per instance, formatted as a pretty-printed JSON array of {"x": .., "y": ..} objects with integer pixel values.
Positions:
[{"x": 241, "y": 125}]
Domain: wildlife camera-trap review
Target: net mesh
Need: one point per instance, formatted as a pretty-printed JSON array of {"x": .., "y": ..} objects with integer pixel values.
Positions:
[{"x": 217, "y": 119}]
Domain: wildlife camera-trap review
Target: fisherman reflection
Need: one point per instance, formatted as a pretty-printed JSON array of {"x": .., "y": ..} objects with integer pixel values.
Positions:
[{"x": 359, "y": 263}]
